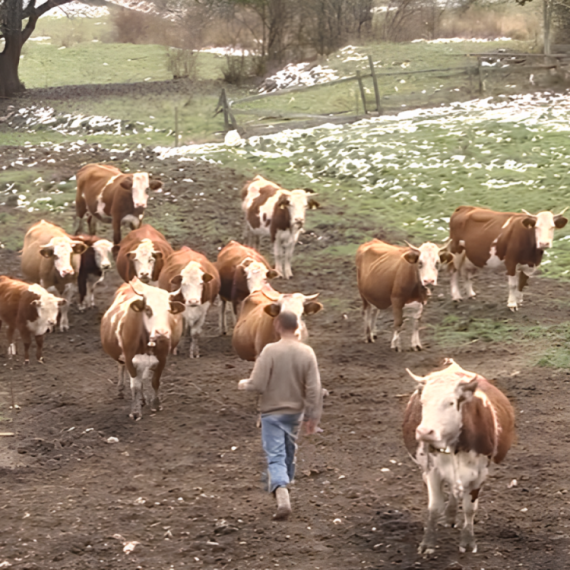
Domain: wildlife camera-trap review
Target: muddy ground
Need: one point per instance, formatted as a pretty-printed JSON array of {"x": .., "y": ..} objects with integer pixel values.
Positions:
[{"x": 184, "y": 485}]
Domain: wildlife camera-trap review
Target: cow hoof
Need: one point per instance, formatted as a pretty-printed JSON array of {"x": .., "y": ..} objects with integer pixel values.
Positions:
[
  {"x": 41, "y": 360},
  {"x": 514, "y": 308},
  {"x": 26, "y": 362},
  {"x": 137, "y": 416},
  {"x": 426, "y": 549},
  {"x": 370, "y": 340},
  {"x": 416, "y": 348}
]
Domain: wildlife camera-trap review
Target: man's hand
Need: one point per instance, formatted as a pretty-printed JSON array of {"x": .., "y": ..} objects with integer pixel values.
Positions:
[
  {"x": 242, "y": 384},
  {"x": 310, "y": 426}
]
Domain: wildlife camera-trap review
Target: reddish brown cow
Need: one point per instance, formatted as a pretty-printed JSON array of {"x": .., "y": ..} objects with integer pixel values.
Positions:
[
  {"x": 242, "y": 271},
  {"x": 30, "y": 310},
  {"x": 484, "y": 238},
  {"x": 139, "y": 330},
  {"x": 455, "y": 424},
  {"x": 255, "y": 329},
  {"x": 394, "y": 276},
  {"x": 104, "y": 193},
  {"x": 197, "y": 283},
  {"x": 142, "y": 254},
  {"x": 280, "y": 214},
  {"x": 95, "y": 262}
]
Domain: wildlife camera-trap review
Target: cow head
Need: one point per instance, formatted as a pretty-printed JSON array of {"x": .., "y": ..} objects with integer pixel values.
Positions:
[
  {"x": 156, "y": 305},
  {"x": 256, "y": 274},
  {"x": 139, "y": 183},
  {"x": 296, "y": 202},
  {"x": 190, "y": 283},
  {"x": 143, "y": 258},
  {"x": 62, "y": 249},
  {"x": 428, "y": 258},
  {"x": 295, "y": 303},
  {"x": 442, "y": 395},
  {"x": 47, "y": 307},
  {"x": 544, "y": 224},
  {"x": 103, "y": 249}
]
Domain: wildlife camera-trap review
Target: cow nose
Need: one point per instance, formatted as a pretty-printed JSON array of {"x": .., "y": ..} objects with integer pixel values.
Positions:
[
  {"x": 429, "y": 281},
  {"x": 66, "y": 272},
  {"x": 144, "y": 277},
  {"x": 426, "y": 434},
  {"x": 299, "y": 221},
  {"x": 544, "y": 244},
  {"x": 193, "y": 302},
  {"x": 105, "y": 266}
]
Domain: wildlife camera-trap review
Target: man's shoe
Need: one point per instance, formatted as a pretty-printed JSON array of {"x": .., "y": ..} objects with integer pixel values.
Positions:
[{"x": 283, "y": 504}]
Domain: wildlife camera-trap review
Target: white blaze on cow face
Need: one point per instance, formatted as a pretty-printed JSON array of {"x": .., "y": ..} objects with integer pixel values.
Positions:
[
  {"x": 143, "y": 258},
  {"x": 257, "y": 274},
  {"x": 427, "y": 257},
  {"x": 47, "y": 307},
  {"x": 192, "y": 283},
  {"x": 544, "y": 230},
  {"x": 297, "y": 207},
  {"x": 103, "y": 249},
  {"x": 299, "y": 305},
  {"x": 62, "y": 250},
  {"x": 442, "y": 395},
  {"x": 140, "y": 187},
  {"x": 156, "y": 307}
]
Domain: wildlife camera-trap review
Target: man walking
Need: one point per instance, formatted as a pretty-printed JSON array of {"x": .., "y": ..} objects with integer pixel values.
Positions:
[{"x": 286, "y": 375}]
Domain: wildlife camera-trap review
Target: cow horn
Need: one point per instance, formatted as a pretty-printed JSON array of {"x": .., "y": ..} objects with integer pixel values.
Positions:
[
  {"x": 133, "y": 283},
  {"x": 416, "y": 378},
  {"x": 562, "y": 211},
  {"x": 311, "y": 297},
  {"x": 445, "y": 245},
  {"x": 527, "y": 213},
  {"x": 246, "y": 262},
  {"x": 266, "y": 290},
  {"x": 411, "y": 246}
]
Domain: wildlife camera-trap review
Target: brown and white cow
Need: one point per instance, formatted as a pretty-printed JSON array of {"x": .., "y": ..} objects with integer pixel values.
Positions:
[
  {"x": 95, "y": 262},
  {"x": 142, "y": 254},
  {"x": 397, "y": 277},
  {"x": 484, "y": 238},
  {"x": 255, "y": 328},
  {"x": 455, "y": 424},
  {"x": 106, "y": 194},
  {"x": 30, "y": 310},
  {"x": 139, "y": 330},
  {"x": 242, "y": 271},
  {"x": 197, "y": 284},
  {"x": 52, "y": 258},
  {"x": 278, "y": 213}
]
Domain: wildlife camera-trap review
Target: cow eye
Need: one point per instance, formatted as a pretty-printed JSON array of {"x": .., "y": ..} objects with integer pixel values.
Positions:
[
  {"x": 420, "y": 264},
  {"x": 148, "y": 311}
]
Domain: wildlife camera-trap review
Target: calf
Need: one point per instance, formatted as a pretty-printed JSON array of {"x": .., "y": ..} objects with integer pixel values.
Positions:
[
  {"x": 139, "y": 330},
  {"x": 395, "y": 276},
  {"x": 30, "y": 310},
  {"x": 95, "y": 262},
  {"x": 196, "y": 282},
  {"x": 52, "y": 258},
  {"x": 455, "y": 424},
  {"x": 106, "y": 194},
  {"x": 142, "y": 254},
  {"x": 242, "y": 271},
  {"x": 255, "y": 329},
  {"x": 272, "y": 211},
  {"x": 484, "y": 238}
]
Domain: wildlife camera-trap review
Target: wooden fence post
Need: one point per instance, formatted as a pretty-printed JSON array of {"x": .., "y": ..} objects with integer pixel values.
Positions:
[
  {"x": 362, "y": 94},
  {"x": 176, "y": 130},
  {"x": 481, "y": 77},
  {"x": 375, "y": 82}
]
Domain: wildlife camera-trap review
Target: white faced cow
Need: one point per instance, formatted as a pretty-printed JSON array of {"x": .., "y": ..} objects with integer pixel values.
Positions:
[
  {"x": 455, "y": 424},
  {"x": 280, "y": 214},
  {"x": 104, "y": 193},
  {"x": 499, "y": 240},
  {"x": 395, "y": 276},
  {"x": 52, "y": 258},
  {"x": 139, "y": 330}
]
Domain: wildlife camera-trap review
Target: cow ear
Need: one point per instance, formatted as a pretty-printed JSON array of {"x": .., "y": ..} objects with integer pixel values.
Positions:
[
  {"x": 157, "y": 254},
  {"x": 61, "y": 302},
  {"x": 138, "y": 305},
  {"x": 131, "y": 255},
  {"x": 529, "y": 223},
  {"x": 411, "y": 256},
  {"x": 127, "y": 183},
  {"x": 46, "y": 251},
  {"x": 176, "y": 307},
  {"x": 560, "y": 221},
  {"x": 79, "y": 247},
  {"x": 313, "y": 204},
  {"x": 283, "y": 202},
  {"x": 273, "y": 309},
  {"x": 271, "y": 274},
  {"x": 155, "y": 184},
  {"x": 206, "y": 278},
  {"x": 445, "y": 257},
  {"x": 466, "y": 390},
  {"x": 176, "y": 281},
  {"x": 312, "y": 307},
  {"x": 36, "y": 302}
]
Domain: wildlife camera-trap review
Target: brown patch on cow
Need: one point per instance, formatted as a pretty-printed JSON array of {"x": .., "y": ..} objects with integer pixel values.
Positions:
[
  {"x": 281, "y": 219},
  {"x": 253, "y": 212},
  {"x": 412, "y": 419}
]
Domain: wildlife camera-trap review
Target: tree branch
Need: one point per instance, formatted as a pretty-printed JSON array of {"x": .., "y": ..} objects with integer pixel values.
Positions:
[{"x": 34, "y": 14}]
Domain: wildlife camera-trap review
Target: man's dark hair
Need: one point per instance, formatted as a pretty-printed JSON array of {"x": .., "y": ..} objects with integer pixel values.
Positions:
[{"x": 287, "y": 321}]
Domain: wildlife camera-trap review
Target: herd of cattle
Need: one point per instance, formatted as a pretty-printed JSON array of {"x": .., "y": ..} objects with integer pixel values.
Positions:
[{"x": 456, "y": 422}]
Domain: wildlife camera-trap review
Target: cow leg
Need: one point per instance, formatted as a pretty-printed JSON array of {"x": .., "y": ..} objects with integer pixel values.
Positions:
[
  {"x": 121, "y": 380},
  {"x": 278, "y": 254},
  {"x": 288, "y": 246},
  {"x": 157, "y": 370},
  {"x": 450, "y": 513},
  {"x": 195, "y": 321},
  {"x": 468, "y": 275},
  {"x": 223, "y": 317},
  {"x": 417, "y": 315},
  {"x": 397, "y": 311},
  {"x": 91, "y": 224},
  {"x": 40, "y": 348},
  {"x": 370, "y": 316},
  {"x": 64, "y": 309},
  {"x": 136, "y": 369},
  {"x": 11, "y": 344},
  {"x": 436, "y": 501},
  {"x": 116, "y": 230},
  {"x": 470, "y": 503},
  {"x": 454, "y": 282},
  {"x": 513, "y": 281},
  {"x": 26, "y": 337}
]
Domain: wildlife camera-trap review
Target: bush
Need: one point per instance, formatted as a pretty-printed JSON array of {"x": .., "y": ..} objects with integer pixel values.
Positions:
[{"x": 181, "y": 63}]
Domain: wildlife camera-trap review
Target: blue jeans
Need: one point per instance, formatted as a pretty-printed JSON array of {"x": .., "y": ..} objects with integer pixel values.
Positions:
[{"x": 278, "y": 436}]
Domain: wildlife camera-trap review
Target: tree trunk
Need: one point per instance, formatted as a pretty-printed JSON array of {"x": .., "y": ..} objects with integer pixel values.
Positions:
[
  {"x": 10, "y": 84},
  {"x": 547, "y": 15}
]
